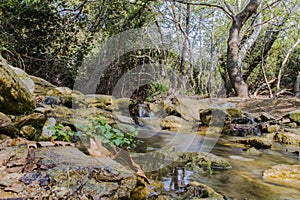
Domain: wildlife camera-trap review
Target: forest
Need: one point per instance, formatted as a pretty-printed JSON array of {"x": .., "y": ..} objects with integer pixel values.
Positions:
[
  {"x": 150, "y": 99},
  {"x": 219, "y": 48}
]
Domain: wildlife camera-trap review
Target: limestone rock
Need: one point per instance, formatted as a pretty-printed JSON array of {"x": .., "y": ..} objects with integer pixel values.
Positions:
[
  {"x": 25, "y": 78},
  {"x": 257, "y": 142},
  {"x": 41, "y": 86},
  {"x": 15, "y": 97},
  {"x": 287, "y": 138}
]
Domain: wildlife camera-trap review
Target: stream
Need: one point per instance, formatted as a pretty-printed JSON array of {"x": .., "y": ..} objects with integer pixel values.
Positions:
[{"x": 243, "y": 181}]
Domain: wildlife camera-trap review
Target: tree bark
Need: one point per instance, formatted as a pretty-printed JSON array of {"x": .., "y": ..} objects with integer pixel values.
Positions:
[
  {"x": 233, "y": 67},
  {"x": 297, "y": 86}
]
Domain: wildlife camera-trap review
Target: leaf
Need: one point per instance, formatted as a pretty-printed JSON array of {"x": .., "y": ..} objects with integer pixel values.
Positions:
[
  {"x": 96, "y": 148},
  {"x": 118, "y": 142}
]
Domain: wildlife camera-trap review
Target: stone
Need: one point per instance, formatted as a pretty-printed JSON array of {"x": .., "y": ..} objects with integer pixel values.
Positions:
[
  {"x": 25, "y": 78},
  {"x": 174, "y": 123},
  {"x": 47, "y": 130},
  {"x": 15, "y": 98},
  {"x": 294, "y": 116},
  {"x": 273, "y": 128},
  {"x": 287, "y": 138},
  {"x": 68, "y": 174},
  {"x": 6, "y": 126},
  {"x": 234, "y": 112},
  {"x": 284, "y": 174},
  {"x": 28, "y": 132},
  {"x": 41, "y": 86},
  {"x": 257, "y": 142},
  {"x": 214, "y": 116},
  {"x": 99, "y": 101}
]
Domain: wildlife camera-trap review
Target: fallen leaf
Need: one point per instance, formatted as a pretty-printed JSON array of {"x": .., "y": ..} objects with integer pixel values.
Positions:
[{"x": 97, "y": 149}]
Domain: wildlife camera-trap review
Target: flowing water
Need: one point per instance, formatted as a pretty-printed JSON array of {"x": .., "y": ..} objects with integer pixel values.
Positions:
[{"x": 243, "y": 181}]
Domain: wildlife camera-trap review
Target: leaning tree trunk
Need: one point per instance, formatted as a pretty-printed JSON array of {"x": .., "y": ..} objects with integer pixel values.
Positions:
[
  {"x": 233, "y": 68},
  {"x": 297, "y": 86}
]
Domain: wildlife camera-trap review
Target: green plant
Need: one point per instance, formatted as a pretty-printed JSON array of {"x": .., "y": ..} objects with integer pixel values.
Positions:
[
  {"x": 108, "y": 134},
  {"x": 60, "y": 132}
]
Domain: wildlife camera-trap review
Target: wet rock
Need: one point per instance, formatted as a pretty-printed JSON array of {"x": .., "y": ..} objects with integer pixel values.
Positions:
[
  {"x": 253, "y": 151},
  {"x": 15, "y": 98},
  {"x": 284, "y": 174},
  {"x": 287, "y": 138},
  {"x": 174, "y": 123},
  {"x": 257, "y": 142},
  {"x": 294, "y": 116}
]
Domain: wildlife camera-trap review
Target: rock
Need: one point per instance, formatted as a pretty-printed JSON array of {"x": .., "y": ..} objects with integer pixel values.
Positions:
[
  {"x": 174, "y": 123},
  {"x": 257, "y": 142},
  {"x": 99, "y": 101},
  {"x": 28, "y": 132},
  {"x": 284, "y": 174},
  {"x": 234, "y": 112},
  {"x": 265, "y": 117},
  {"x": 41, "y": 87},
  {"x": 34, "y": 120},
  {"x": 253, "y": 151},
  {"x": 6, "y": 126},
  {"x": 196, "y": 190},
  {"x": 68, "y": 174},
  {"x": 15, "y": 98},
  {"x": 273, "y": 128},
  {"x": 47, "y": 130},
  {"x": 121, "y": 106},
  {"x": 294, "y": 116},
  {"x": 287, "y": 138},
  {"x": 214, "y": 116},
  {"x": 25, "y": 78}
]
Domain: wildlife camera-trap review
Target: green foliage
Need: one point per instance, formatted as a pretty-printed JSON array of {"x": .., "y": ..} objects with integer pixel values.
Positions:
[
  {"x": 155, "y": 89},
  {"x": 108, "y": 134},
  {"x": 59, "y": 132}
]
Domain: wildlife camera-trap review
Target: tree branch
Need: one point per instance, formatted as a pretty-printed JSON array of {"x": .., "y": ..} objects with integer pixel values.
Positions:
[{"x": 207, "y": 5}]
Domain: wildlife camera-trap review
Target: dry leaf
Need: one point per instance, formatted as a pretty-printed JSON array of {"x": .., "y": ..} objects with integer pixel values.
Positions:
[{"x": 97, "y": 149}]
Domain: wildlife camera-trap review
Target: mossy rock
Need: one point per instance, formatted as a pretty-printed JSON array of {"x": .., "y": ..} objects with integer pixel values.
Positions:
[
  {"x": 294, "y": 116},
  {"x": 15, "y": 97}
]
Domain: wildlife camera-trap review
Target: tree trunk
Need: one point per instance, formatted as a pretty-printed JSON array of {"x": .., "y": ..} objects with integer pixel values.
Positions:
[
  {"x": 297, "y": 86},
  {"x": 233, "y": 67}
]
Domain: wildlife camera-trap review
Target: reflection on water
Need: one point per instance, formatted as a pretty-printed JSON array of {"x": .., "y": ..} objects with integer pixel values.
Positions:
[{"x": 242, "y": 181}]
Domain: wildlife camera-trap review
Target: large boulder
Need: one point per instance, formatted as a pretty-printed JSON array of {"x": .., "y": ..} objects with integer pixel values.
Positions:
[
  {"x": 66, "y": 172},
  {"x": 25, "y": 78},
  {"x": 15, "y": 98}
]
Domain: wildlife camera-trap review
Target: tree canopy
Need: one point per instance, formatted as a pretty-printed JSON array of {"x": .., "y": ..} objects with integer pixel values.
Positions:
[{"x": 249, "y": 47}]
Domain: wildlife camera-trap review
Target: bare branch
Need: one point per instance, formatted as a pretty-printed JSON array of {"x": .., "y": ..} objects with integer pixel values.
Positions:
[{"x": 207, "y": 5}]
